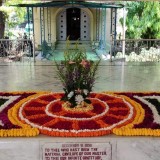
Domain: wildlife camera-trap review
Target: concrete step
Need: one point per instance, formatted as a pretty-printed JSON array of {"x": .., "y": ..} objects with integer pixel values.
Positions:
[
  {"x": 74, "y": 42},
  {"x": 61, "y": 48},
  {"x": 73, "y": 45},
  {"x": 61, "y": 45}
]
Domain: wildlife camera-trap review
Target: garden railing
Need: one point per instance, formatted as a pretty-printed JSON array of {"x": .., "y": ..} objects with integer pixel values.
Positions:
[
  {"x": 16, "y": 50},
  {"x": 134, "y": 45}
]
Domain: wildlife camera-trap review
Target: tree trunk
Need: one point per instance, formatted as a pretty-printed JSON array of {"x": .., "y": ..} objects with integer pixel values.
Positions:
[{"x": 2, "y": 22}]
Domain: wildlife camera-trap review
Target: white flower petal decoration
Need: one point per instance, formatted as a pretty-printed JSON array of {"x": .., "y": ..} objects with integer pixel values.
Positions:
[
  {"x": 1, "y": 123},
  {"x": 70, "y": 94},
  {"x": 85, "y": 91},
  {"x": 79, "y": 99}
]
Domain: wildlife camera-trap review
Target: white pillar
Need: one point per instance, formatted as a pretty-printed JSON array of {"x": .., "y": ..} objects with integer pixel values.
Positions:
[
  {"x": 111, "y": 42},
  {"x": 33, "y": 47},
  {"x": 124, "y": 33}
]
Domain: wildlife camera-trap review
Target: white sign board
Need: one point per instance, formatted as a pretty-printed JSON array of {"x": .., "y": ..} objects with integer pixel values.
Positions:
[{"x": 76, "y": 151}]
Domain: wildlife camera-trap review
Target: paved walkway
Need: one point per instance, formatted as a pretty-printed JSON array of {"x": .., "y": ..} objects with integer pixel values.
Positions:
[{"x": 112, "y": 76}]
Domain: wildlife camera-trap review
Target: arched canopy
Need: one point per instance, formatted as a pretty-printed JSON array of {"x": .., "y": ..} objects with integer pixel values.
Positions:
[{"x": 61, "y": 4}]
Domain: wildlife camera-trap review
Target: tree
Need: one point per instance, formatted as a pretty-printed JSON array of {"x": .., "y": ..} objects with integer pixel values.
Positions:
[
  {"x": 143, "y": 20},
  {"x": 6, "y": 11},
  {"x": 2, "y": 21},
  {"x": 19, "y": 11}
]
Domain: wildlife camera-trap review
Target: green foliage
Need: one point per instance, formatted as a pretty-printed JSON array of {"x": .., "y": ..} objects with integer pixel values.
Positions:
[
  {"x": 143, "y": 20},
  {"x": 13, "y": 15},
  {"x": 19, "y": 15}
]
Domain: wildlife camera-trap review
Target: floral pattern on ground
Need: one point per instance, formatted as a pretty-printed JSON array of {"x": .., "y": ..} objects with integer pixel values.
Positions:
[
  {"x": 120, "y": 113},
  {"x": 99, "y": 121}
]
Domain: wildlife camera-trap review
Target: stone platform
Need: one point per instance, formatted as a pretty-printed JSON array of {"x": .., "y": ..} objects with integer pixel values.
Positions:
[{"x": 117, "y": 148}]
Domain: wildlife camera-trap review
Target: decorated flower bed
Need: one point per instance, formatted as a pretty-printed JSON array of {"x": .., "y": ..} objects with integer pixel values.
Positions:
[{"x": 33, "y": 113}]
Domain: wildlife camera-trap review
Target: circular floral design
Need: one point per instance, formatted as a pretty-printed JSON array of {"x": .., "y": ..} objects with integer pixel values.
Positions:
[
  {"x": 46, "y": 112},
  {"x": 55, "y": 109}
]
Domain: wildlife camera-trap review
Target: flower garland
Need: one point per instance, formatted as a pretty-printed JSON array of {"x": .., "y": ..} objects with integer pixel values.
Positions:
[{"x": 19, "y": 132}]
